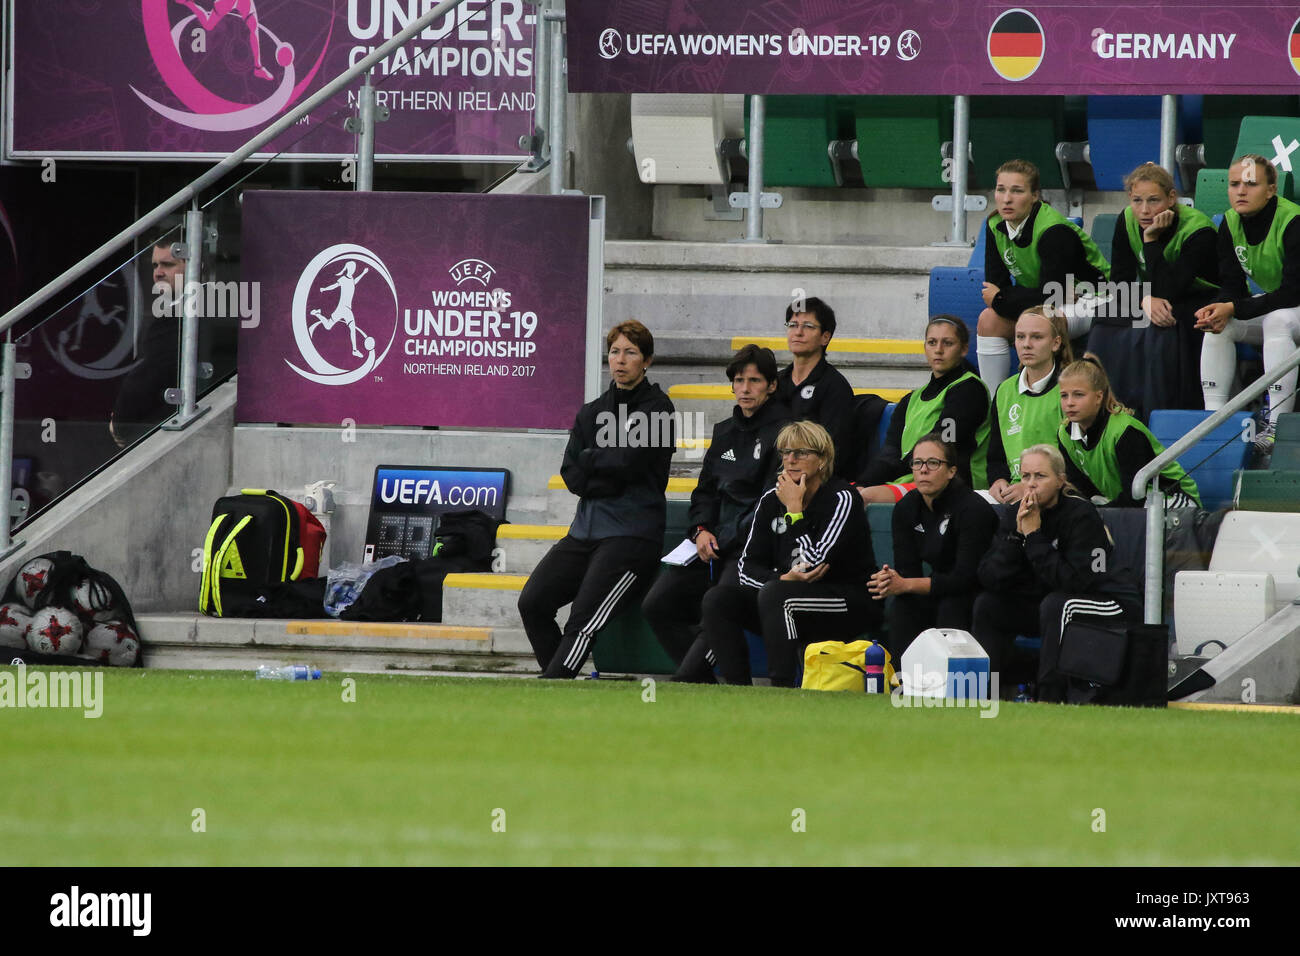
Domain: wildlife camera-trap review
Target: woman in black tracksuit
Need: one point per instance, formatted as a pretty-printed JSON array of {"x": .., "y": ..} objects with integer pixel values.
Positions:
[
  {"x": 617, "y": 462},
  {"x": 1050, "y": 563},
  {"x": 740, "y": 465},
  {"x": 803, "y": 571},
  {"x": 946, "y": 525}
]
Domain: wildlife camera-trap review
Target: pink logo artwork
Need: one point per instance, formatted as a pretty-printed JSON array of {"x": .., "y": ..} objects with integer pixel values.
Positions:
[{"x": 207, "y": 110}]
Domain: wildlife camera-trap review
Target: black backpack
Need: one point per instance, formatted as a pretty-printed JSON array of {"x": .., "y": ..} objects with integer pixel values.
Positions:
[{"x": 257, "y": 539}]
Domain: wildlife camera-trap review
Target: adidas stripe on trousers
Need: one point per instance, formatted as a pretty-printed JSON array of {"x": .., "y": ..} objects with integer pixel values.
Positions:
[{"x": 601, "y": 579}]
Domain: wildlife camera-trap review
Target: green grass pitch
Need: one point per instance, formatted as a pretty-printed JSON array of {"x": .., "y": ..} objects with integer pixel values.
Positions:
[{"x": 430, "y": 771}]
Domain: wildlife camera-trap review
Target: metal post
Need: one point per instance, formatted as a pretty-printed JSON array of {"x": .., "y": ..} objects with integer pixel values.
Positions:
[
  {"x": 757, "y": 124},
  {"x": 10, "y": 352},
  {"x": 366, "y": 139},
  {"x": 558, "y": 106},
  {"x": 189, "y": 369},
  {"x": 1155, "y": 562},
  {"x": 1168, "y": 132},
  {"x": 540, "y": 143},
  {"x": 960, "y": 153}
]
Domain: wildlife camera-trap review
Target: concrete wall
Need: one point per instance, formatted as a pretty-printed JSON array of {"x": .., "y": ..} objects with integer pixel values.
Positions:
[{"x": 141, "y": 518}]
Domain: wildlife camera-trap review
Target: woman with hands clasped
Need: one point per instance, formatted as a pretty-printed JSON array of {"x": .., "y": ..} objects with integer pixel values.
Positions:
[
  {"x": 1051, "y": 562},
  {"x": 802, "y": 571},
  {"x": 946, "y": 525}
]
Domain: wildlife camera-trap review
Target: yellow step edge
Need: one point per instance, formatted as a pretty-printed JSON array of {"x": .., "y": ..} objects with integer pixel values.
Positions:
[
  {"x": 487, "y": 582},
  {"x": 1235, "y": 708},
  {"x": 723, "y": 392},
  {"x": 694, "y": 442},
  {"x": 556, "y": 483},
  {"x": 433, "y": 632},
  {"x": 525, "y": 532},
  {"x": 879, "y": 346}
]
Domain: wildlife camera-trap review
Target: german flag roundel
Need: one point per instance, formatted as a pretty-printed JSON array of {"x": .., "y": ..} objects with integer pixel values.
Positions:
[
  {"x": 1294, "y": 48},
  {"x": 1016, "y": 45}
]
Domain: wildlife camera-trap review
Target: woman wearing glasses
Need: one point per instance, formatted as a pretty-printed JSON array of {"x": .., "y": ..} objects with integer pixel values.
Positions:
[
  {"x": 1051, "y": 562},
  {"x": 803, "y": 570},
  {"x": 945, "y": 524},
  {"x": 955, "y": 404}
]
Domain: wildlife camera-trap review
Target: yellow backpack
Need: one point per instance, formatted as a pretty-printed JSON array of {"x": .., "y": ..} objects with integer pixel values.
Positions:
[{"x": 834, "y": 665}]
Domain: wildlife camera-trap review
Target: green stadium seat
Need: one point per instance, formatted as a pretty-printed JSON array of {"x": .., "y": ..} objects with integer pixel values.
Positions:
[
  {"x": 1103, "y": 232},
  {"x": 1286, "y": 444},
  {"x": 1258, "y": 134},
  {"x": 880, "y": 520},
  {"x": 1269, "y": 491},
  {"x": 900, "y": 140},
  {"x": 796, "y": 140},
  {"x": 1212, "y": 191},
  {"x": 1016, "y": 127},
  {"x": 1221, "y": 122}
]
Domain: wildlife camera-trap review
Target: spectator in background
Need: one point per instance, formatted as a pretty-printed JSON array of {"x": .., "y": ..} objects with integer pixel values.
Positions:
[
  {"x": 1027, "y": 406},
  {"x": 1044, "y": 252},
  {"x": 616, "y": 462},
  {"x": 1105, "y": 446},
  {"x": 1050, "y": 563},
  {"x": 810, "y": 386},
  {"x": 1260, "y": 240},
  {"x": 955, "y": 403},
  {"x": 740, "y": 465},
  {"x": 803, "y": 570},
  {"x": 1146, "y": 337},
  {"x": 945, "y": 525}
]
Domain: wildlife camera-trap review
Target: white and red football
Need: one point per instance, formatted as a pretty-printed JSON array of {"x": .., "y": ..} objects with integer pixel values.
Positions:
[
  {"x": 32, "y": 579},
  {"x": 112, "y": 642},
  {"x": 14, "y": 622},
  {"x": 55, "y": 630}
]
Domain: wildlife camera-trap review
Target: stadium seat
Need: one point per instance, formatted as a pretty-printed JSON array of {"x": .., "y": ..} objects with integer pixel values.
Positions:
[
  {"x": 900, "y": 138},
  {"x": 797, "y": 139},
  {"x": 882, "y": 428},
  {"x": 1221, "y": 122},
  {"x": 1266, "y": 543},
  {"x": 1016, "y": 127},
  {"x": 1286, "y": 443},
  {"x": 1273, "y": 491},
  {"x": 1103, "y": 232},
  {"x": 1212, "y": 191},
  {"x": 1123, "y": 133},
  {"x": 676, "y": 138},
  {"x": 1262, "y": 135},
  {"x": 1213, "y": 461},
  {"x": 880, "y": 520}
]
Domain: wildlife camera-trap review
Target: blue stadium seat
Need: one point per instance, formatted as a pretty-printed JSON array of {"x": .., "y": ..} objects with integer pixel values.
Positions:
[
  {"x": 882, "y": 429},
  {"x": 1211, "y": 461},
  {"x": 1123, "y": 133}
]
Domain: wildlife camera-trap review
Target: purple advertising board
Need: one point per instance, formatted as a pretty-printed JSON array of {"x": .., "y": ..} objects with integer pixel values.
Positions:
[
  {"x": 196, "y": 79},
  {"x": 933, "y": 47},
  {"x": 414, "y": 309}
]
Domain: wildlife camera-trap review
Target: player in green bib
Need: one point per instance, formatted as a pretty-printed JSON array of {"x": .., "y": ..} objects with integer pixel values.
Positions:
[
  {"x": 1105, "y": 446},
  {"x": 1260, "y": 240},
  {"x": 1164, "y": 266},
  {"x": 954, "y": 403},
  {"x": 1026, "y": 407},
  {"x": 1032, "y": 255}
]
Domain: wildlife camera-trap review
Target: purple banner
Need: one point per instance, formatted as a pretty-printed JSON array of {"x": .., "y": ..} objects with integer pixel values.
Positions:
[
  {"x": 414, "y": 309},
  {"x": 199, "y": 78},
  {"x": 933, "y": 47}
]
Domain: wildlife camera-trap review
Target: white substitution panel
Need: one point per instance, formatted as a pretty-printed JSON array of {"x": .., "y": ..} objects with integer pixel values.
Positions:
[{"x": 1214, "y": 609}]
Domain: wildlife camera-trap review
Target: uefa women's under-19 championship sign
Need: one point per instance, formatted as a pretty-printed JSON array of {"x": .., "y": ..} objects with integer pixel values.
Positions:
[{"x": 387, "y": 308}]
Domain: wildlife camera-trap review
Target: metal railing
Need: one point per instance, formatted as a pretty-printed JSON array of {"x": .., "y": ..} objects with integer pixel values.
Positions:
[{"x": 1155, "y": 498}]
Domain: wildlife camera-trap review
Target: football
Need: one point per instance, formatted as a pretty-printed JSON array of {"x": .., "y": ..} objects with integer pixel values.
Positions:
[
  {"x": 112, "y": 642},
  {"x": 32, "y": 579},
  {"x": 55, "y": 630},
  {"x": 14, "y": 622},
  {"x": 92, "y": 599}
]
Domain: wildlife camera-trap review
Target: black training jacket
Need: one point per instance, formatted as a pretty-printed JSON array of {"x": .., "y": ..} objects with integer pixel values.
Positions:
[
  {"x": 833, "y": 531},
  {"x": 951, "y": 538},
  {"x": 740, "y": 465},
  {"x": 617, "y": 461},
  {"x": 824, "y": 397}
]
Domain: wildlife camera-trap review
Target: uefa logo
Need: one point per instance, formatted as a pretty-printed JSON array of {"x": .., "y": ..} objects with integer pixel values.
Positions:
[
  {"x": 95, "y": 336},
  {"x": 259, "y": 59},
  {"x": 611, "y": 44},
  {"x": 344, "y": 307}
]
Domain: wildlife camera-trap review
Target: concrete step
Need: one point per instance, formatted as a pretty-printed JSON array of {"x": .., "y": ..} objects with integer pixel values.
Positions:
[
  {"x": 482, "y": 600},
  {"x": 195, "y": 641},
  {"x": 520, "y": 546}
]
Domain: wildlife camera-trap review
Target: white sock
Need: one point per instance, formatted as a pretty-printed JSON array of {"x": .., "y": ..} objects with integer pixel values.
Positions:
[
  {"x": 1218, "y": 365},
  {"x": 994, "y": 354},
  {"x": 1281, "y": 330}
]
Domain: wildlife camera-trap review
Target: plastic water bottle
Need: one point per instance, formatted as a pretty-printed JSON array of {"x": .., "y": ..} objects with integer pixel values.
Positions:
[
  {"x": 874, "y": 665},
  {"x": 288, "y": 672},
  {"x": 1022, "y": 694}
]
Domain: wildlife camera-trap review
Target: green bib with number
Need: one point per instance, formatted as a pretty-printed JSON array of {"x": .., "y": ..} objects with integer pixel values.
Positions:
[
  {"x": 1025, "y": 419},
  {"x": 1101, "y": 463},
  {"x": 1024, "y": 264},
  {"x": 1262, "y": 262},
  {"x": 923, "y": 415}
]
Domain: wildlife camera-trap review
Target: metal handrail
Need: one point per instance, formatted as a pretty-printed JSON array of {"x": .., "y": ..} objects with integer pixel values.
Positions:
[
  {"x": 191, "y": 191},
  {"x": 1150, "y": 472}
]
